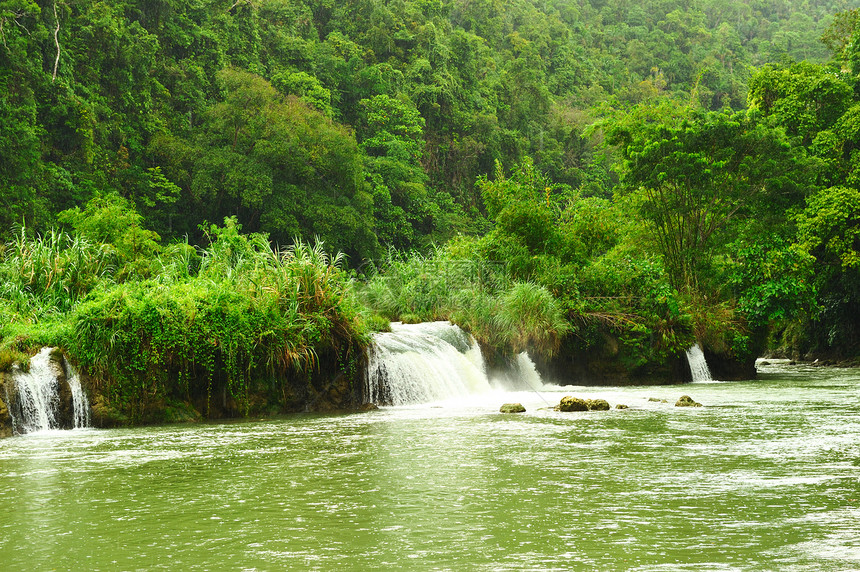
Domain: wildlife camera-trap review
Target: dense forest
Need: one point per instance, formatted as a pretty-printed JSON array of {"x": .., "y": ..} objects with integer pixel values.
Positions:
[{"x": 601, "y": 183}]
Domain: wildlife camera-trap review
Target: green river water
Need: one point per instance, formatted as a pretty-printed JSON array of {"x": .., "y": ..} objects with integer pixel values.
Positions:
[{"x": 766, "y": 476}]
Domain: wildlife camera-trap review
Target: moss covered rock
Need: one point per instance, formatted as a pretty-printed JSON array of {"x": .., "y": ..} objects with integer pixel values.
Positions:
[
  {"x": 621, "y": 406},
  {"x": 512, "y": 408},
  {"x": 570, "y": 403},
  {"x": 597, "y": 405},
  {"x": 687, "y": 401}
]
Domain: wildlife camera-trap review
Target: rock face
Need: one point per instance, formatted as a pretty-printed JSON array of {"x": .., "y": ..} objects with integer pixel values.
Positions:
[
  {"x": 5, "y": 418},
  {"x": 687, "y": 401},
  {"x": 609, "y": 363},
  {"x": 512, "y": 408}
]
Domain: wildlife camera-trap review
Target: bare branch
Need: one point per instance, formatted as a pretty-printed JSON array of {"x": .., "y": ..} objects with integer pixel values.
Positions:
[
  {"x": 56, "y": 43},
  {"x": 237, "y": 2},
  {"x": 19, "y": 24}
]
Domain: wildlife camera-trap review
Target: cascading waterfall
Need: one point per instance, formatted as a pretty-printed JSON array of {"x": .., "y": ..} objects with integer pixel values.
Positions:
[
  {"x": 422, "y": 363},
  {"x": 527, "y": 372},
  {"x": 37, "y": 399},
  {"x": 37, "y": 395},
  {"x": 698, "y": 365},
  {"x": 80, "y": 403}
]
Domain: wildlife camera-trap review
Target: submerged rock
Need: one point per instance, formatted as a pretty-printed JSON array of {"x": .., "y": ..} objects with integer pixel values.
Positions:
[
  {"x": 598, "y": 405},
  {"x": 687, "y": 401},
  {"x": 368, "y": 407},
  {"x": 656, "y": 400},
  {"x": 570, "y": 403},
  {"x": 512, "y": 408}
]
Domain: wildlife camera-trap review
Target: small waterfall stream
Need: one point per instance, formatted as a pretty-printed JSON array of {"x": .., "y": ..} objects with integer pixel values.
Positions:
[
  {"x": 422, "y": 363},
  {"x": 38, "y": 397},
  {"x": 698, "y": 365},
  {"x": 80, "y": 404}
]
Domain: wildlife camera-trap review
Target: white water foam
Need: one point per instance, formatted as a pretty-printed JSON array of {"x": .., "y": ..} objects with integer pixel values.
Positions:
[
  {"x": 37, "y": 395},
  {"x": 80, "y": 404},
  {"x": 527, "y": 372},
  {"x": 424, "y": 363},
  {"x": 698, "y": 365}
]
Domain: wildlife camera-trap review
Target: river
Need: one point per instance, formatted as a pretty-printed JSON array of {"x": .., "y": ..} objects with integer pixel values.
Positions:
[{"x": 765, "y": 476}]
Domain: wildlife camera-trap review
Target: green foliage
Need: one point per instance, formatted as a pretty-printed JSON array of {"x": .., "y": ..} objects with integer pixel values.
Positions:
[
  {"x": 697, "y": 180},
  {"x": 48, "y": 274},
  {"x": 374, "y": 124},
  {"x": 803, "y": 98},
  {"x": 506, "y": 317},
  {"x": 253, "y": 317},
  {"x": 112, "y": 222},
  {"x": 829, "y": 227}
]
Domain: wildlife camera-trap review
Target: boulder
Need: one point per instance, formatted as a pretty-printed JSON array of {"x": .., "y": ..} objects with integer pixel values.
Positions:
[
  {"x": 570, "y": 403},
  {"x": 368, "y": 407},
  {"x": 687, "y": 401},
  {"x": 656, "y": 400},
  {"x": 512, "y": 408},
  {"x": 597, "y": 405},
  {"x": 621, "y": 406}
]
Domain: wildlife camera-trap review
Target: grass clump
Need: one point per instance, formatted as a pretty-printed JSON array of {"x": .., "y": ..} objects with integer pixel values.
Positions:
[
  {"x": 253, "y": 318},
  {"x": 506, "y": 316}
]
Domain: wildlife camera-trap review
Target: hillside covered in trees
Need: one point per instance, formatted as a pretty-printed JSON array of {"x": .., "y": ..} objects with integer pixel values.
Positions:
[{"x": 599, "y": 182}]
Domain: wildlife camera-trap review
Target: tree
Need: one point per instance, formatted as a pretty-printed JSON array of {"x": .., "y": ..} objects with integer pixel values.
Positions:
[
  {"x": 391, "y": 132},
  {"x": 829, "y": 230},
  {"x": 695, "y": 180},
  {"x": 281, "y": 166}
]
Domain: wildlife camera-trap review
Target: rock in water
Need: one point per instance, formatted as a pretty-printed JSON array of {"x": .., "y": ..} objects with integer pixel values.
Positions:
[
  {"x": 621, "y": 406},
  {"x": 687, "y": 401},
  {"x": 570, "y": 403},
  {"x": 512, "y": 408},
  {"x": 598, "y": 405}
]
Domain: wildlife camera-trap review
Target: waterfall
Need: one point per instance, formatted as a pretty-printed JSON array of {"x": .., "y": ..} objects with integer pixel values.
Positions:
[
  {"x": 527, "y": 372},
  {"x": 37, "y": 395},
  {"x": 45, "y": 397},
  {"x": 80, "y": 404},
  {"x": 421, "y": 363},
  {"x": 698, "y": 365}
]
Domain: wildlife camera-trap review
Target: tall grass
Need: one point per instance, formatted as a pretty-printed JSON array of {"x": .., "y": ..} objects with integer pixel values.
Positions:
[
  {"x": 505, "y": 316},
  {"x": 49, "y": 273},
  {"x": 252, "y": 318}
]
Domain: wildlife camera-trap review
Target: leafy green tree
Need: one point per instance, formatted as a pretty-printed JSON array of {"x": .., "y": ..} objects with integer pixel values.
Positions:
[
  {"x": 803, "y": 98},
  {"x": 391, "y": 133},
  {"x": 693, "y": 181},
  {"x": 279, "y": 165},
  {"x": 829, "y": 230}
]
